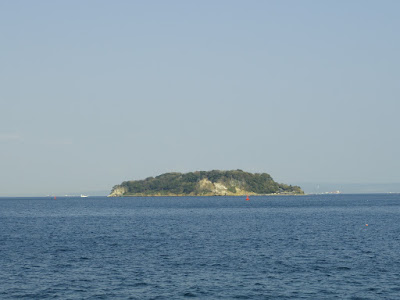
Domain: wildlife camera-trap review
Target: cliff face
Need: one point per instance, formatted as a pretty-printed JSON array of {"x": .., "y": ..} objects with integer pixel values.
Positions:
[
  {"x": 231, "y": 188},
  {"x": 202, "y": 183},
  {"x": 118, "y": 191}
]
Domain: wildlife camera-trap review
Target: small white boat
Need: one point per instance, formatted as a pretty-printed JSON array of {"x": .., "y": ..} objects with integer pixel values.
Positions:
[{"x": 84, "y": 196}]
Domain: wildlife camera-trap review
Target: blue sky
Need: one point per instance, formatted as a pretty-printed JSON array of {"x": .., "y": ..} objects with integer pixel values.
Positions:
[{"x": 97, "y": 92}]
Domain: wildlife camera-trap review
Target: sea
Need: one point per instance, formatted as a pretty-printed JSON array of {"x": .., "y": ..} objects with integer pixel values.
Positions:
[{"x": 270, "y": 247}]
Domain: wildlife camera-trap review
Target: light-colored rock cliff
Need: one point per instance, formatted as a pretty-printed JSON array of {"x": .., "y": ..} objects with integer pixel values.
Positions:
[{"x": 118, "y": 191}]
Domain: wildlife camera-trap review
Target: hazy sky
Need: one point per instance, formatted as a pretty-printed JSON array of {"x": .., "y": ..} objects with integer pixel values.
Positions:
[{"x": 93, "y": 93}]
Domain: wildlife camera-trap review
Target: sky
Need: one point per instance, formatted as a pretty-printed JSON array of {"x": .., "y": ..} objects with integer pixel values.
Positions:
[{"x": 93, "y": 93}]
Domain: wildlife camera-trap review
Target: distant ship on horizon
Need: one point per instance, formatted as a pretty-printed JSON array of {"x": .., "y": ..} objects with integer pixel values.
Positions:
[{"x": 84, "y": 196}]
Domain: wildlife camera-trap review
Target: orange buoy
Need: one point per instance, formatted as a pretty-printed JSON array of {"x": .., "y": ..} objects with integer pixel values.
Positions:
[
  {"x": 247, "y": 199},
  {"x": 366, "y": 224}
]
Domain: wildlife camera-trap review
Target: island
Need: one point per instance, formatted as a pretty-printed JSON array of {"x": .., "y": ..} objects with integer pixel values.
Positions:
[{"x": 205, "y": 183}]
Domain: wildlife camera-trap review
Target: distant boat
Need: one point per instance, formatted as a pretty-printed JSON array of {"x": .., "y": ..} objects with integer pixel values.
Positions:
[{"x": 84, "y": 196}]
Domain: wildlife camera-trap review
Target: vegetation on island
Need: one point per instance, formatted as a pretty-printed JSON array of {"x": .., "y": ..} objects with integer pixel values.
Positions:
[{"x": 205, "y": 183}]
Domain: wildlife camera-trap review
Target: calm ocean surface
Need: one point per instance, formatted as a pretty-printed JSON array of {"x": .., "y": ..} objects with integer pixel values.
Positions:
[{"x": 276, "y": 247}]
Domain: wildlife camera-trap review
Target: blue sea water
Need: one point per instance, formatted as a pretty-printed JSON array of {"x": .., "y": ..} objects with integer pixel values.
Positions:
[{"x": 275, "y": 247}]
